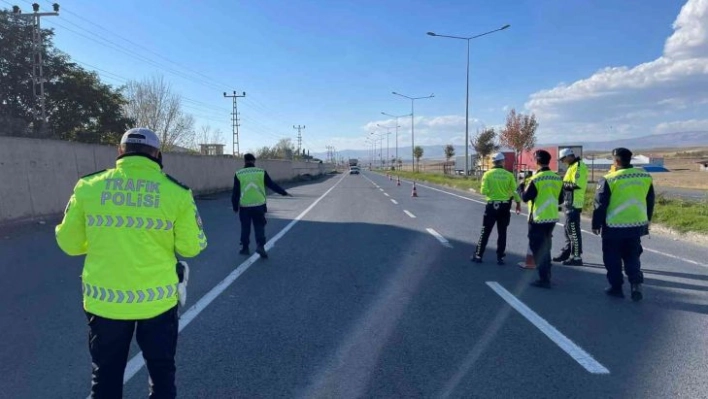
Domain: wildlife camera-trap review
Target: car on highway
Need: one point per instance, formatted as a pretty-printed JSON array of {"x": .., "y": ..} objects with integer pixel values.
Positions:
[{"x": 354, "y": 170}]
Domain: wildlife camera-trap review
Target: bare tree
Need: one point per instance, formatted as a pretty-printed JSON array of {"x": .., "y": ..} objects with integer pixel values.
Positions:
[
  {"x": 519, "y": 133},
  {"x": 153, "y": 104},
  {"x": 484, "y": 143}
]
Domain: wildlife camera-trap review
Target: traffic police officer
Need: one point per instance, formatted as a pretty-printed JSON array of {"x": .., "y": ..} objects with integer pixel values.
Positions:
[
  {"x": 624, "y": 205},
  {"x": 499, "y": 186},
  {"x": 575, "y": 183},
  {"x": 544, "y": 192},
  {"x": 129, "y": 222},
  {"x": 249, "y": 196}
]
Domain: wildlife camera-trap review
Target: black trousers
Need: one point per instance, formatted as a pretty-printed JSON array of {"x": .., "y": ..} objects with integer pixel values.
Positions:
[
  {"x": 573, "y": 235},
  {"x": 540, "y": 241},
  {"x": 109, "y": 344},
  {"x": 255, "y": 216},
  {"x": 498, "y": 213},
  {"x": 616, "y": 251}
]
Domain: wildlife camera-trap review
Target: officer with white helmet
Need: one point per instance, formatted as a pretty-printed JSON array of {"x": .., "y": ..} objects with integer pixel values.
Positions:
[
  {"x": 499, "y": 186},
  {"x": 130, "y": 221},
  {"x": 575, "y": 184}
]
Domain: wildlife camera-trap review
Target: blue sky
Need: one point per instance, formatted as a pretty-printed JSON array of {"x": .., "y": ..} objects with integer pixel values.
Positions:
[{"x": 331, "y": 65}]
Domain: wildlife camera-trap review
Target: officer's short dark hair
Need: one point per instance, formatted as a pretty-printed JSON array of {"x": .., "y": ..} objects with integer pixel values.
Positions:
[
  {"x": 543, "y": 157},
  {"x": 135, "y": 148},
  {"x": 623, "y": 155},
  {"x": 249, "y": 158}
]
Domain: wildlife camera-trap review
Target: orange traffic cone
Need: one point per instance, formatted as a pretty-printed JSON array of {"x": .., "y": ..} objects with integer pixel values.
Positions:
[
  {"x": 415, "y": 192},
  {"x": 398, "y": 181},
  {"x": 529, "y": 263}
]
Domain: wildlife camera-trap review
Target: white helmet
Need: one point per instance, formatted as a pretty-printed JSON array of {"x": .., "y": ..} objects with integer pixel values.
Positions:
[
  {"x": 565, "y": 152},
  {"x": 498, "y": 157}
]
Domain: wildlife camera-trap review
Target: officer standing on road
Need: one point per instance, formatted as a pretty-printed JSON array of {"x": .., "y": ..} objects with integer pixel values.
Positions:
[
  {"x": 249, "y": 196},
  {"x": 575, "y": 183},
  {"x": 499, "y": 186},
  {"x": 624, "y": 205},
  {"x": 129, "y": 222},
  {"x": 544, "y": 191}
]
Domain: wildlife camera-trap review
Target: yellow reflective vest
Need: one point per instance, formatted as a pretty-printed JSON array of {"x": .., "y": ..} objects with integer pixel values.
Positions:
[
  {"x": 628, "y": 205},
  {"x": 498, "y": 184},
  {"x": 544, "y": 208},
  {"x": 129, "y": 222},
  {"x": 576, "y": 178},
  {"x": 253, "y": 190}
]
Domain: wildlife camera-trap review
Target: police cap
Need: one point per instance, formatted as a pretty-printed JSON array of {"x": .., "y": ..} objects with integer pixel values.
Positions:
[
  {"x": 622, "y": 154},
  {"x": 249, "y": 158},
  {"x": 543, "y": 157}
]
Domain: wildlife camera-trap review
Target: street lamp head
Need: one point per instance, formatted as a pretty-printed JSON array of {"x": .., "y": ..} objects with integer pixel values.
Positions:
[
  {"x": 56, "y": 7},
  {"x": 35, "y": 7},
  {"x": 505, "y": 27},
  {"x": 432, "y": 34}
]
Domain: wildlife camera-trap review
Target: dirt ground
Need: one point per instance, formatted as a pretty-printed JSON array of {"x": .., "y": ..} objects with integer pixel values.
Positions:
[{"x": 684, "y": 174}]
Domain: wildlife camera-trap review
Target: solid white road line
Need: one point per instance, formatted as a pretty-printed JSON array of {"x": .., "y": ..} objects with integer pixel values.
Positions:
[
  {"x": 394, "y": 201},
  {"x": 439, "y": 237},
  {"x": 137, "y": 362},
  {"x": 577, "y": 353},
  {"x": 409, "y": 214}
]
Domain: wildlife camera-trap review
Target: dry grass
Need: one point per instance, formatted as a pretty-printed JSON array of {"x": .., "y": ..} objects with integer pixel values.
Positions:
[{"x": 684, "y": 174}]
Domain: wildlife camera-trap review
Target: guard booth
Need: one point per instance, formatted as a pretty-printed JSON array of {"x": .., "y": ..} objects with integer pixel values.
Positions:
[{"x": 211, "y": 149}]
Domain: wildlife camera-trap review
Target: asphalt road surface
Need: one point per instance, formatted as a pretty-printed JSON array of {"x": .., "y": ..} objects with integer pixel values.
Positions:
[{"x": 369, "y": 292}]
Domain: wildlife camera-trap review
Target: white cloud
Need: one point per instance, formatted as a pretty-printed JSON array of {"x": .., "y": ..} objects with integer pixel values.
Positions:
[
  {"x": 446, "y": 129},
  {"x": 634, "y": 100},
  {"x": 682, "y": 126}
]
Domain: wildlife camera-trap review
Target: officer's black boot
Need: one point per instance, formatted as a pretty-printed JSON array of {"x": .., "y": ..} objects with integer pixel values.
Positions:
[
  {"x": 244, "y": 250},
  {"x": 562, "y": 257},
  {"x": 615, "y": 291},
  {"x": 476, "y": 259},
  {"x": 637, "y": 292},
  {"x": 262, "y": 252},
  {"x": 573, "y": 262},
  {"x": 500, "y": 261}
]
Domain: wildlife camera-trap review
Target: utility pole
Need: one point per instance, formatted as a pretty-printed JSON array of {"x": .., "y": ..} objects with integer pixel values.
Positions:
[
  {"x": 299, "y": 137},
  {"x": 37, "y": 63},
  {"x": 234, "y": 120}
]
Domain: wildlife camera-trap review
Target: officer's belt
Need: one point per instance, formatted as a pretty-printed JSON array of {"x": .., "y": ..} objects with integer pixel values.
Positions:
[{"x": 499, "y": 202}]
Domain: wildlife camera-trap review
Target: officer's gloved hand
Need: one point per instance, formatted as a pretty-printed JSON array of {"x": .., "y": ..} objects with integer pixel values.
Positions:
[{"x": 183, "y": 275}]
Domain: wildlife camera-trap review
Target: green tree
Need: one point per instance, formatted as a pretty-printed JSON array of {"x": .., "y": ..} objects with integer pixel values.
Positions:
[
  {"x": 449, "y": 152},
  {"x": 417, "y": 153},
  {"x": 78, "y": 105},
  {"x": 484, "y": 143}
]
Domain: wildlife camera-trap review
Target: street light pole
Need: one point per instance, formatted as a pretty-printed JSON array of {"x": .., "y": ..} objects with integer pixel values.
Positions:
[
  {"x": 388, "y": 134},
  {"x": 380, "y": 137},
  {"x": 413, "y": 122},
  {"x": 397, "y": 126},
  {"x": 467, "y": 96}
]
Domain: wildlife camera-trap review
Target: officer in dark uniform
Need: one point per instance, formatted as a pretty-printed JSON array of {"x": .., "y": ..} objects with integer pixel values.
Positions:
[
  {"x": 248, "y": 198},
  {"x": 543, "y": 193},
  {"x": 624, "y": 205}
]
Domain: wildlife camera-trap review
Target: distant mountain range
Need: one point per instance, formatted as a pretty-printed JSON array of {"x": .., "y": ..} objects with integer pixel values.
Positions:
[{"x": 651, "y": 142}]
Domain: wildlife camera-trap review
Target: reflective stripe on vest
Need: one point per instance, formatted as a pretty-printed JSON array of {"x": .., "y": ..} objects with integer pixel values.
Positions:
[
  {"x": 136, "y": 222},
  {"x": 128, "y": 296},
  {"x": 628, "y": 191},
  {"x": 252, "y": 187},
  {"x": 547, "y": 195}
]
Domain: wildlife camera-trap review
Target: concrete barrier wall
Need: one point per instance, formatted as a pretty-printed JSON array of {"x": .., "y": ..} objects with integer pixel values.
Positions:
[{"x": 38, "y": 176}]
